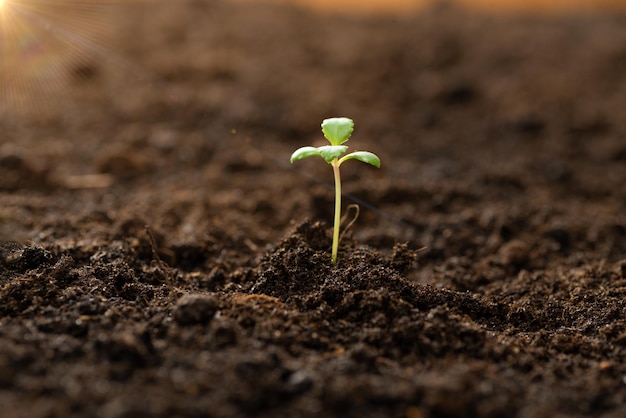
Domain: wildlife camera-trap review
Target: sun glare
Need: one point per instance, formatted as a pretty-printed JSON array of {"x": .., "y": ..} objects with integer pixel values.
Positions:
[{"x": 45, "y": 45}]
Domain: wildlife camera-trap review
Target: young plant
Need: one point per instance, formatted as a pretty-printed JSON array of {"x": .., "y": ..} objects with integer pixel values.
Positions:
[{"x": 337, "y": 131}]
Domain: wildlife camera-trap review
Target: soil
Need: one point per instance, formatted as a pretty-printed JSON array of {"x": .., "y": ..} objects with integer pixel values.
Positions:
[{"x": 160, "y": 257}]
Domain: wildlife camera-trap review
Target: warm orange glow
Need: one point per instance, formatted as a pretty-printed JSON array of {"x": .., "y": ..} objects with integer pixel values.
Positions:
[
  {"x": 399, "y": 6},
  {"x": 364, "y": 5},
  {"x": 358, "y": 6}
]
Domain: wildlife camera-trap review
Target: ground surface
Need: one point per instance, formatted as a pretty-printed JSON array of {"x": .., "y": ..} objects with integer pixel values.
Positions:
[{"x": 161, "y": 257}]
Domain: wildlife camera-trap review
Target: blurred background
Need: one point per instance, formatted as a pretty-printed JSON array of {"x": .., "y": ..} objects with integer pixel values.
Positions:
[
  {"x": 506, "y": 115},
  {"x": 485, "y": 5},
  {"x": 48, "y": 45}
]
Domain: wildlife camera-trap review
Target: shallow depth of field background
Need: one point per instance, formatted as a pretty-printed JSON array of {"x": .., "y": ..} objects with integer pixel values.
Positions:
[
  {"x": 45, "y": 46},
  {"x": 489, "y": 5}
]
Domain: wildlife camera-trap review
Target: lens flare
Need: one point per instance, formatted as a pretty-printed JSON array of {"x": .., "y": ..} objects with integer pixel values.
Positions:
[{"x": 45, "y": 45}]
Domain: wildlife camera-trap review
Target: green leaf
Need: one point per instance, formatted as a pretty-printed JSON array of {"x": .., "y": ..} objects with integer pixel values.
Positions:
[
  {"x": 330, "y": 152},
  {"x": 337, "y": 130},
  {"x": 304, "y": 152},
  {"x": 366, "y": 157}
]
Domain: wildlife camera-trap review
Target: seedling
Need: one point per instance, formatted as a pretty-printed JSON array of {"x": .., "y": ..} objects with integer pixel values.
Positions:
[{"x": 337, "y": 131}]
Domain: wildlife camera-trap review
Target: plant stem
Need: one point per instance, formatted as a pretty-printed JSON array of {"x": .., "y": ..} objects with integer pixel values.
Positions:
[{"x": 335, "y": 164}]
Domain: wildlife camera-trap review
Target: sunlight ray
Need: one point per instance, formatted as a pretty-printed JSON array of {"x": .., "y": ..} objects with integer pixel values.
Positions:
[{"x": 45, "y": 44}]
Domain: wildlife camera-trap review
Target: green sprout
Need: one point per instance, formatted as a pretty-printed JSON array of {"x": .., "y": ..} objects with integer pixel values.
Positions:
[{"x": 337, "y": 131}]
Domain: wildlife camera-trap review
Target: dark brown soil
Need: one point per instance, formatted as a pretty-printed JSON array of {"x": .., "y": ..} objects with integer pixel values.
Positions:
[{"x": 162, "y": 258}]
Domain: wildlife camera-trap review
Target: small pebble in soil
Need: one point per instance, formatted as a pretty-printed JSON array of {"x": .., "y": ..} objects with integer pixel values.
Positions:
[
  {"x": 299, "y": 382},
  {"x": 195, "y": 309}
]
